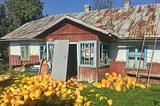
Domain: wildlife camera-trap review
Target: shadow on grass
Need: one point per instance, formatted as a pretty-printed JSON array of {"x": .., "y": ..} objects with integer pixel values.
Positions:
[
  {"x": 7, "y": 82},
  {"x": 49, "y": 101}
]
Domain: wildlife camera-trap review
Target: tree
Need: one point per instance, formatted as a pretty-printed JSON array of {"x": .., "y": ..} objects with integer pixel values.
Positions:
[
  {"x": 102, "y": 4},
  {"x": 3, "y": 27},
  {"x": 21, "y": 11}
]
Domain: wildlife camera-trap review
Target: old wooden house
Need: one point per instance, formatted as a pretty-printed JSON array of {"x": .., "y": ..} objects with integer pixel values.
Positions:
[{"x": 100, "y": 41}]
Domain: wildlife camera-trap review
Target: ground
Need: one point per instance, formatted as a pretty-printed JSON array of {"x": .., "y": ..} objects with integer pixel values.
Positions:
[{"x": 92, "y": 95}]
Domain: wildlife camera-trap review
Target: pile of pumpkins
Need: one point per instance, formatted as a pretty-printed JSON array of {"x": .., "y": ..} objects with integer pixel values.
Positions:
[
  {"x": 116, "y": 82},
  {"x": 38, "y": 90},
  {"x": 4, "y": 77}
]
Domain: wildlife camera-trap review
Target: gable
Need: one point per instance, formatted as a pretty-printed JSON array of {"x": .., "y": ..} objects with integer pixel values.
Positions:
[{"x": 72, "y": 32}]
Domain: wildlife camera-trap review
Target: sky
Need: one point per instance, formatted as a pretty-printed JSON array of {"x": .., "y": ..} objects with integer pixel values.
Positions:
[{"x": 52, "y": 7}]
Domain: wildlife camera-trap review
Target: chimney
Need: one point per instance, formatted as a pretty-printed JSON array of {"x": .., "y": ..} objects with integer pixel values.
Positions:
[
  {"x": 127, "y": 3},
  {"x": 87, "y": 8}
]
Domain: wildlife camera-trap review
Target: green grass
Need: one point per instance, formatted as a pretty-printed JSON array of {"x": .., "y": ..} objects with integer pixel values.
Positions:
[{"x": 138, "y": 97}]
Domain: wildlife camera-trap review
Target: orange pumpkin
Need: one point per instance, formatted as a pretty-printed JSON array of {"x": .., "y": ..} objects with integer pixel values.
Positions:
[
  {"x": 110, "y": 102},
  {"x": 38, "y": 93}
]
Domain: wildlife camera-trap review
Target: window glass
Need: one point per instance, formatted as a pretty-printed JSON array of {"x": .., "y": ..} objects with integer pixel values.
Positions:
[
  {"x": 50, "y": 48},
  {"x": 87, "y": 53},
  {"x": 25, "y": 55},
  {"x": 104, "y": 54},
  {"x": 42, "y": 48},
  {"x": 134, "y": 58}
]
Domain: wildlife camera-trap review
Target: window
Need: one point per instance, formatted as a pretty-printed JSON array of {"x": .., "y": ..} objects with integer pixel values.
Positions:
[
  {"x": 87, "y": 53},
  {"x": 50, "y": 50},
  {"x": 25, "y": 55},
  {"x": 42, "y": 48},
  {"x": 134, "y": 57},
  {"x": 103, "y": 54}
]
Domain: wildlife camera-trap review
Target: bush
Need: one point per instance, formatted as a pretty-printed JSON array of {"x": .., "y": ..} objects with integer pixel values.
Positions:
[{"x": 4, "y": 69}]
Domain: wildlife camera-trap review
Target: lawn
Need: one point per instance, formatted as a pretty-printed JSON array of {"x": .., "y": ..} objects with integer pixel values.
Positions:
[
  {"x": 89, "y": 95},
  {"x": 138, "y": 97}
]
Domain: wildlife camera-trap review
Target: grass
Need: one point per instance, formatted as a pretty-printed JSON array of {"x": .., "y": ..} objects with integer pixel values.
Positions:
[{"x": 138, "y": 97}]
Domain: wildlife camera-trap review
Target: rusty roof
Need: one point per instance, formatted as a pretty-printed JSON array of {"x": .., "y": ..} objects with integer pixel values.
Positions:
[{"x": 133, "y": 22}]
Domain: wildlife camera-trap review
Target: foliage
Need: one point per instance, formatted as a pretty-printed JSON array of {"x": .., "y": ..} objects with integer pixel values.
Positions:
[
  {"x": 102, "y": 4},
  {"x": 156, "y": 102},
  {"x": 3, "y": 27},
  {"x": 13, "y": 14},
  {"x": 21, "y": 11},
  {"x": 3, "y": 69}
]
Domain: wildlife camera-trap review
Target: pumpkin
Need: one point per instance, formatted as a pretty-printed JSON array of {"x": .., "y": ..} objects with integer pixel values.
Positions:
[
  {"x": 25, "y": 92},
  {"x": 103, "y": 81},
  {"x": 4, "y": 104},
  {"x": 124, "y": 88},
  {"x": 6, "y": 100},
  {"x": 38, "y": 93},
  {"x": 79, "y": 99},
  {"x": 2, "y": 79},
  {"x": 114, "y": 74},
  {"x": 26, "y": 97},
  {"x": 110, "y": 102},
  {"x": 49, "y": 93},
  {"x": 111, "y": 86},
  {"x": 13, "y": 101},
  {"x": 118, "y": 86},
  {"x": 142, "y": 86},
  {"x": 69, "y": 81},
  {"x": 20, "y": 102}
]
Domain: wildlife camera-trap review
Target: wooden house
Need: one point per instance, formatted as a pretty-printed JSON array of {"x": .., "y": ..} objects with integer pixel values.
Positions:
[{"x": 100, "y": 41}]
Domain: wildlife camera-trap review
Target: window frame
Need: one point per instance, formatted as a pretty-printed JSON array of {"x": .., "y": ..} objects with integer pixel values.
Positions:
[
  {"x": 50, "y": 60},
  {"x": 79, "y": 54},
  {"x": 99, "y": 51},
  {"x": 44, "y": 46},
  {"x": 24, "y": 45},
  {"x": 136, "y": 56}
]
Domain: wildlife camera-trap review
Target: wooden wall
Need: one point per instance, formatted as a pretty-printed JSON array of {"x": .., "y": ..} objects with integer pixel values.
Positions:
[
  {"x": 120, "y": 68},
  {"x": 75, "y": 33},
  {"x": 15, "y": 60},
  {"x": 72, "y": 33}
]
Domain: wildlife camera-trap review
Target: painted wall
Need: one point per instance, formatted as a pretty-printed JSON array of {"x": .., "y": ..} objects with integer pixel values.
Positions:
[
  {"x": 34, "y": 47},
  {"x": 156, "y": 57},
  {"x": 118, "y": 52}
]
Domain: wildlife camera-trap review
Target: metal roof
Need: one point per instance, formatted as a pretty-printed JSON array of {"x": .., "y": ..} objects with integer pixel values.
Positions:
[{"x": 132, "y": 22}]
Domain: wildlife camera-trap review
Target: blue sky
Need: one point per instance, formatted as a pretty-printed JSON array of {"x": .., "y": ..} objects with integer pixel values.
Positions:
[{"x": 69, "y": 6}]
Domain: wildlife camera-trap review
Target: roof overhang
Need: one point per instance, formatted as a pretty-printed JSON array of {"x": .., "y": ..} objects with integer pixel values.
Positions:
[
  {"x": 6, "y": 40},
  {"x": 73, "y": 19}
]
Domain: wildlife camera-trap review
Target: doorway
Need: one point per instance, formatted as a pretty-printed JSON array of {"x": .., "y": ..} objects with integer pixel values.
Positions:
[{"x": 72, "y": 61}]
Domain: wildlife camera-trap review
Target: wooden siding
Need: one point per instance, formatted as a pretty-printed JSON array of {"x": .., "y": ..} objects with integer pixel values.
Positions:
[
  {"x": 102, "y": 72},
  {"x": 87, "y": 74},
  {"x": 120, "y": 68},
  {"x": 72, "y": 33},
  {"x": 76, "y": 33},
  {"x": 15, "y": 60}
]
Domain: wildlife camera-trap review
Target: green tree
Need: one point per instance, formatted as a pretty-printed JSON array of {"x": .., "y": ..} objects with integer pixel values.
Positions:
[
  {"x": 101, "y": 4},
  {"x": 21, "y": 11},
  {"x": 3, "y": 26}
]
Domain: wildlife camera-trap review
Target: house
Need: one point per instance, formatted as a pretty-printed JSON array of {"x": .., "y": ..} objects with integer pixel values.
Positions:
[{"x": 99, "y": 41}]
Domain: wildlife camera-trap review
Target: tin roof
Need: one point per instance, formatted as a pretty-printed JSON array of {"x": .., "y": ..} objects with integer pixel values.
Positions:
[{"x": 132, "y": 22}]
